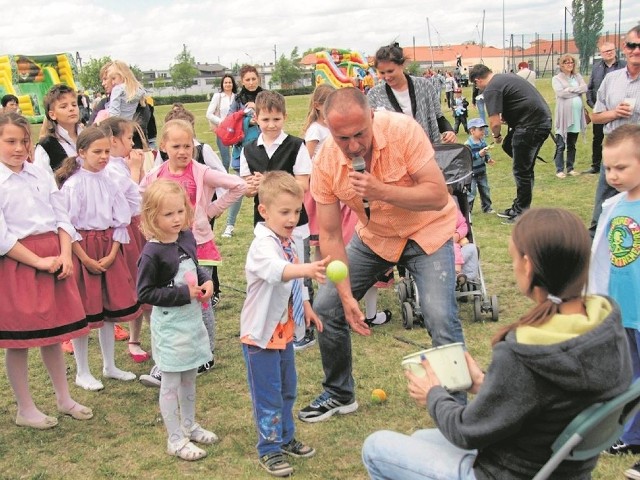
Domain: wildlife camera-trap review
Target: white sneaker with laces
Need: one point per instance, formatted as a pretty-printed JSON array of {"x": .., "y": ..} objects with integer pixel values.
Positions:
[{"x": 228, "y": 232}]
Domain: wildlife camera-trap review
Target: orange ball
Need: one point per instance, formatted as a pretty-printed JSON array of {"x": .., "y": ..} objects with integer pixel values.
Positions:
[{"x": 378, "y": 396}]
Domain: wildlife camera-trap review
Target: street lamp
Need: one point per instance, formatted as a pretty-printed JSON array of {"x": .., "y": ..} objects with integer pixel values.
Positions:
[
  {"x": 566, "y": 38},
  {"x": 250, "y": 58}
]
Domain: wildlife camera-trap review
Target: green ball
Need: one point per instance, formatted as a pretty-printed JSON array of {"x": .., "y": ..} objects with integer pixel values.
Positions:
[{"x": 337, "y": 271}]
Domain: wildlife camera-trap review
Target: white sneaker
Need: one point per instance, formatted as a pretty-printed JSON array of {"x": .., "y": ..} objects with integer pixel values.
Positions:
[{"x": 228, "y": 232}]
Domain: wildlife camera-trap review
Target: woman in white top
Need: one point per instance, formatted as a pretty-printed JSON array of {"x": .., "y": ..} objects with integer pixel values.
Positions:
[{"x": 218, "y": 109}]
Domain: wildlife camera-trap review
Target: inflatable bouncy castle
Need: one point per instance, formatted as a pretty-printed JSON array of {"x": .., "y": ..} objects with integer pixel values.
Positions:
[
  {"x": 30, "y": 78},
  {"x": 340, "y": 68}
]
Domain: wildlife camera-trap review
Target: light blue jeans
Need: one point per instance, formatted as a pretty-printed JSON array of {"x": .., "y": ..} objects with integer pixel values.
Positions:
[
  {"x": 225, "y": 154},
  {"x": 435, "y": 279},
  {"x": 272, "y": 379},
  {"x": 234, "y": 209},
  {"x": 426, "y": 454}
]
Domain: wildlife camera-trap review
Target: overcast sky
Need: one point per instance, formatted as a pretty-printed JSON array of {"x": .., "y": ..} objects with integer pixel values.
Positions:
[{"x": 150, "y": 33}]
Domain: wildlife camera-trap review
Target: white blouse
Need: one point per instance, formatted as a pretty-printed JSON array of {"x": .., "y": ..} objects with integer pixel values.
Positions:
[
  {"x": 224, "y": 101},
  {"x": 95, "y": 202},
  {"x": 30, "y": 204},
  {"x": 118, "y": 170},
  {"x": 40, "y": 155}
]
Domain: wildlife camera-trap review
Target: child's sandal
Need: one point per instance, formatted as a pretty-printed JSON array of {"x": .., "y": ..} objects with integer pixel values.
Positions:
[
  {"x": 185, "y": 450},
  {"x": 199, "y": 435}
]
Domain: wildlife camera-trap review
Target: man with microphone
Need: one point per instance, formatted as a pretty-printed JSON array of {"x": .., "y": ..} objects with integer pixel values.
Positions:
[{"x": 382, "y": 166}]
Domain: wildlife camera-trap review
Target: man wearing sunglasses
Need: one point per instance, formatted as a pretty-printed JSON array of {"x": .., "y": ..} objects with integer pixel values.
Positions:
[
  {"x": 618, "y": 103},
  {"x": 608, "y": 63}
]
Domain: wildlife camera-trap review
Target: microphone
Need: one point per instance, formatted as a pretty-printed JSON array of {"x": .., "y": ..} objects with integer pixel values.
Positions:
[{"x": 359, "y": 165}]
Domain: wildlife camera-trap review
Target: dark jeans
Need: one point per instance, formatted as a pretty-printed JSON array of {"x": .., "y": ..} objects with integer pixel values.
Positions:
[
  {"x": 603, "y": 191},
  {"x": 462, "y": 120},
  {"x": 571, "y": 151},
  {"x": 596, "y": 145},
  {"x": 523, "y": 145}
]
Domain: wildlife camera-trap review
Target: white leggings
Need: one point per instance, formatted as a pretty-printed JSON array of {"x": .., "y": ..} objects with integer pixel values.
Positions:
[{"x": 178, "y": 402}]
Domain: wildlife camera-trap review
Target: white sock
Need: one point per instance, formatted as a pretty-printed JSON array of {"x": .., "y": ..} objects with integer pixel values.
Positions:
[
  {"x": 84, "y": 379},
  {"x": 108, "y": 346},
  {"x": 371, "y": 302}
]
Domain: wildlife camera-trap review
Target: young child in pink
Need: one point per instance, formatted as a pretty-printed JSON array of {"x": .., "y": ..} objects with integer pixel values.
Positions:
[
  {"x": 40, "y": 304},
  {"x": 100, "y": 214}
]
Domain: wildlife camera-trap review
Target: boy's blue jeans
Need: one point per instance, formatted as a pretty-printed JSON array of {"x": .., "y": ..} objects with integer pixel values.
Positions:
[
  {"x": 426, "y": 454},
  {"x": 480, "y": 183},
  {"x": 435, "y": 280},
  {"x": 272, "y": 379}
]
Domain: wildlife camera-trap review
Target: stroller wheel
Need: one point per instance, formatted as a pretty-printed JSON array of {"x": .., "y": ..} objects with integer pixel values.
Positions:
[
  {"x": 494, "y": 308},
  {"x": 407, "y": 316},
  {"x": 402, "y": 291},
  {"x": 477, "y": 309}
]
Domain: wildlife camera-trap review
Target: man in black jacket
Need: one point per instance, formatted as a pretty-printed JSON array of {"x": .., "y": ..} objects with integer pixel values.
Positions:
[{"x": 608, "y": 63}]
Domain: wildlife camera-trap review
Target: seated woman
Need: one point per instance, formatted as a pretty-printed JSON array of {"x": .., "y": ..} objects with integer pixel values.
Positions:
[{"x": 568, "y": 352}]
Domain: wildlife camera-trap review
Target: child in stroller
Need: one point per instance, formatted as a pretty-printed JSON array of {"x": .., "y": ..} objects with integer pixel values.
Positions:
[{"x": 455, "y": 162}]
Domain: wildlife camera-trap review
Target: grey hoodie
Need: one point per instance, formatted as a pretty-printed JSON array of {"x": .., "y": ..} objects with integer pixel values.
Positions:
[{"x": 530, "y": 394}]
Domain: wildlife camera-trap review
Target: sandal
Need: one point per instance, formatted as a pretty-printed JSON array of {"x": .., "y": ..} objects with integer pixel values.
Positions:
[
  {"x": 79, "y": 412},
  {"x": 185, "y": 450},
  {"x": 276, "y": 465},
  {"x": 199, "y": 435},
  {"x": 139, "y": 357}
]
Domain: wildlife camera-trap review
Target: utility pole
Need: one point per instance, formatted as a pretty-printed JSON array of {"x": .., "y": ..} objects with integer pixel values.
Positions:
[{"x": 275, "y": 55}]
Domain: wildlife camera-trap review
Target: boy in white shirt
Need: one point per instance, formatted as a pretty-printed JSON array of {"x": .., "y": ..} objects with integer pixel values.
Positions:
[{"x": 272, "y": 308}]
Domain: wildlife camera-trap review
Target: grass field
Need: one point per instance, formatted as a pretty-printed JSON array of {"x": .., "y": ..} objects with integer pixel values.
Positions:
[{"x": 126, "y": 438}]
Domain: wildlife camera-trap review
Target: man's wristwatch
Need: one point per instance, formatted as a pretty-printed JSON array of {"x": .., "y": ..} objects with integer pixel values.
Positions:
[{"x": 497, "y": 136}]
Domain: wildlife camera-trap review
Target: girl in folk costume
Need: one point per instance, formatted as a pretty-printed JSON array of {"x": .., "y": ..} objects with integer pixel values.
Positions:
[
  {"x": 100, "y": 213},
  {"x": 40, "y": 305},
  {"x": 125, "y": 168},
  {"x": 60, "y": 129}
]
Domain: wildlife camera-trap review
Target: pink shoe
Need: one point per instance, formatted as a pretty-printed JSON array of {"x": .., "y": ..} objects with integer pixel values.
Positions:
[{"x": 139, "y": 357}]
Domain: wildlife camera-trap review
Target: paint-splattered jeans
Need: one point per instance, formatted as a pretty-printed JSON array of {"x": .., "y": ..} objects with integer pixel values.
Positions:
[
  {"x": 435, "y": 279},
  {"x": 272, "y": 379}
]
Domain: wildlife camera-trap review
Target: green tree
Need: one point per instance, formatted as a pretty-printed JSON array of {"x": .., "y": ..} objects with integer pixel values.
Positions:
[
  {"x": 90, "y": 75},
  {"x": 287, "y": 71},
  {"x": 413, "y": 69},
  {"x": 588, "y": 20},
  {"x": 315, "y": 50},
  {"x": 184, "y": 71}
]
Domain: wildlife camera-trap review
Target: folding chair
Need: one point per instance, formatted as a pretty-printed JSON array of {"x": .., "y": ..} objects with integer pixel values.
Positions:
[{"x": 593, "y": 430}]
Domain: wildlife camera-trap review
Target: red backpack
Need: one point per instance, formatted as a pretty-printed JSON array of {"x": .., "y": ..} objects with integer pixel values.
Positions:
[{"x": 230, "y": 129}]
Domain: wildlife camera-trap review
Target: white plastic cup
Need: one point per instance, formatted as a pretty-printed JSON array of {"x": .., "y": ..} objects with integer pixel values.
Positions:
[
  {"x": 448, "y": 363},
  {"x": 631, "y": 101}
]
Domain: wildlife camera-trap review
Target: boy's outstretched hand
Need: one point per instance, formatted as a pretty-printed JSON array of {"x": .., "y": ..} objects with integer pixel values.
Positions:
[{"x": 317, "y": 270}]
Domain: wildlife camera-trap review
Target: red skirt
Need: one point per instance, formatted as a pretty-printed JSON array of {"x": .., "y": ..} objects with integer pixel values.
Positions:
[
  {"x": 110, "y": 296},
  {"x": 37, "y": 309}
]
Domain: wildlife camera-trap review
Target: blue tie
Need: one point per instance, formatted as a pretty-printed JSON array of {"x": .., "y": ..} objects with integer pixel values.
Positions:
[{"x": 296, "y": 289}]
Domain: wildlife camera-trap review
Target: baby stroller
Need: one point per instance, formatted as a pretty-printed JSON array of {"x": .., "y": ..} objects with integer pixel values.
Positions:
[{"x": 455, "y": 162}]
